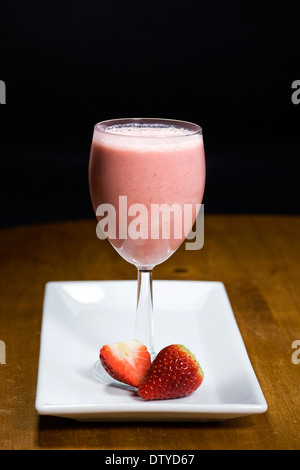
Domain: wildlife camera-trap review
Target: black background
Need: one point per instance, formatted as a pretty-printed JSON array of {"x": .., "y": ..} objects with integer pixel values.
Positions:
[{"x": 226, "y": 65}]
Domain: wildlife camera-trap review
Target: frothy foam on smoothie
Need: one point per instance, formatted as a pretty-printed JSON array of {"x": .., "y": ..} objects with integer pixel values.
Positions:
[
  {"x": 145, "y": 136},
  {"x": 148, "y": 130}
]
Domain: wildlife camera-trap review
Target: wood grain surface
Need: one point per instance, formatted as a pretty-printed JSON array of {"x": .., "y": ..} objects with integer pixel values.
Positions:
[{"x": 258, "y": 260}]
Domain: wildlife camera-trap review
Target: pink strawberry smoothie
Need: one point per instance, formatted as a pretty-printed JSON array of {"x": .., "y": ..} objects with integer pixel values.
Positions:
[{"x": 150, "y": 164}]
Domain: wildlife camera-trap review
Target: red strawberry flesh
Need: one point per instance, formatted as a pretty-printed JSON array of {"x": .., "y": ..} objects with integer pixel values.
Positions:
[
  {"x": 126, "y": 361},
  {"x": 174, "y": 373}
]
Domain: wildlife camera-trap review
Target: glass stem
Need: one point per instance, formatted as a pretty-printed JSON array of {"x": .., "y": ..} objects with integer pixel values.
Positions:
[{"x": 144, "y": 311}]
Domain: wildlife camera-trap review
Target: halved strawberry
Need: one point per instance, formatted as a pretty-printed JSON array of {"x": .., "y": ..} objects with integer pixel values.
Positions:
[
  {"x": 174, "y": 373},
  {"x": 126, "y": 361}
]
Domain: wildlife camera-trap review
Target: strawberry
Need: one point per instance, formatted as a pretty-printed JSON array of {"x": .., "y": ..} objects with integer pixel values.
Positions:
[
  {"x": 126, "y": 361},
  {"x": 174, "y": 373}
]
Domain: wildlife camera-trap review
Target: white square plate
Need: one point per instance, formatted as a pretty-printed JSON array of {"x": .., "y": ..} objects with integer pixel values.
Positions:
[{"x": 80, "y": 317}]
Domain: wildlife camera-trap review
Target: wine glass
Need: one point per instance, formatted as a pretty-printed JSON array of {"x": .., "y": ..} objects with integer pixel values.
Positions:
[{"x": 147, "y": 179}]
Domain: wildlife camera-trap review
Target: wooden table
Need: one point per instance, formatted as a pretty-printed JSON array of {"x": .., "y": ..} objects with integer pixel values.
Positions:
[{"x": 258, "y": 260}]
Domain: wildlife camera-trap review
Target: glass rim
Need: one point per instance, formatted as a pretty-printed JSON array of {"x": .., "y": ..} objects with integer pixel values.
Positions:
[{"x": 189, "y": 126}]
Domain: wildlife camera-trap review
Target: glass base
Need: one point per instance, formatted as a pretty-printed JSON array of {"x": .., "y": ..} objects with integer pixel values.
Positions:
[{"x": 101, "y": 374}]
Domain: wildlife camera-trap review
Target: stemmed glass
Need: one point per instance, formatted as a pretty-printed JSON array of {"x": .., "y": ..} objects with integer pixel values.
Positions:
[{"x": 147, "y": 179}]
